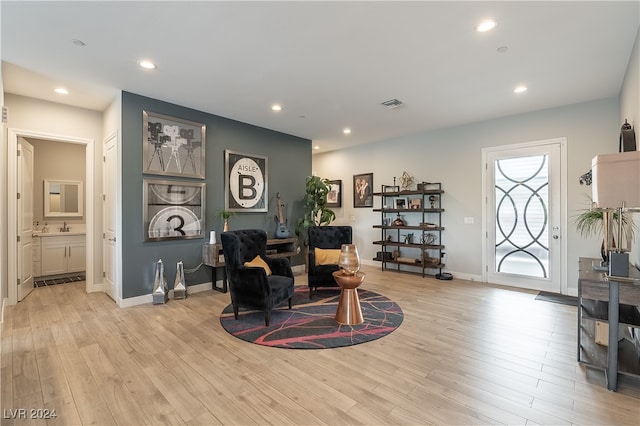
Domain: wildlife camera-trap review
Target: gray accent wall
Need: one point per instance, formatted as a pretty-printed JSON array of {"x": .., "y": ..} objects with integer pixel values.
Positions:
[{"x": 289, "y": 164}]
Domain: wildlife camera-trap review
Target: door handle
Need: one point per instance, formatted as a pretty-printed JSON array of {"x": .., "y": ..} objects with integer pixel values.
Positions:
[
  {"x": 555, "y": 237},
  {"x": 112, "y": 239}
]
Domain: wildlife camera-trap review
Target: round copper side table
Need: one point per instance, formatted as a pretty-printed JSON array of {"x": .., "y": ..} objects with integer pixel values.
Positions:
[{"x": 349, "y": 311}]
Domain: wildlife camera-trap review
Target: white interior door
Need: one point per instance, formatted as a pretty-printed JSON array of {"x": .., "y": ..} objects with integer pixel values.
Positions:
[
  {"x": 523, "y": 186},
  {"x": 109, "y": 215},
  {"x": 25, "y": 218}
]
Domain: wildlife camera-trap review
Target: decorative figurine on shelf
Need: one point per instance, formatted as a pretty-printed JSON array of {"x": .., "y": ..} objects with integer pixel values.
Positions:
[
  {"x": 432, "y": 200},
  {"x": 398, "y": 221},
  {"x": 407, "y": 181}
]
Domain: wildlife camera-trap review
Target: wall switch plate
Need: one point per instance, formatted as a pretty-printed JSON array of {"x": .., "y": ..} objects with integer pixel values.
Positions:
[{"x": 468, "y": 221}]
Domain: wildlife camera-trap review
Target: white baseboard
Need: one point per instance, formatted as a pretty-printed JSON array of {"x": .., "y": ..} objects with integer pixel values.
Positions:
[{"x": 148, "y": 298}]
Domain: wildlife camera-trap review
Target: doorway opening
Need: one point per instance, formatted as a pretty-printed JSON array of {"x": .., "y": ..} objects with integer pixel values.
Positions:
[{"x": 14, "y": 260}]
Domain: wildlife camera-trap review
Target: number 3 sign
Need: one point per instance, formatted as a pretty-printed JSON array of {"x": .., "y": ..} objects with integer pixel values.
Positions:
[
  {"x": 245, "y": 182},
  {"x": 173, "y": 210}
]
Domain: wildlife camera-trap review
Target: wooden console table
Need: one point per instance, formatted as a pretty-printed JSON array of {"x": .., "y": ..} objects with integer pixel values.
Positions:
[
  {"x": 276, "y": 247},
  {"x": 613, "y": 301}
]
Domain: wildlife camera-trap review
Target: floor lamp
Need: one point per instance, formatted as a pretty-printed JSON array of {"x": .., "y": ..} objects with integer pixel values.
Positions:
[{"x": 616, "y": 187}]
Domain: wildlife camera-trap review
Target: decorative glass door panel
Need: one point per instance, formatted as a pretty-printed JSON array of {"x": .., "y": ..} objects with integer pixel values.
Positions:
[
  {"x": 522, "y": 200},
  {"x": 523, "y": 214}
]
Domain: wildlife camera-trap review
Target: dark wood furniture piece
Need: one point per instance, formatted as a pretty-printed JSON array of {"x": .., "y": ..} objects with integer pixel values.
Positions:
[
  {"x": 613, "y": 301},
  {"x": 421, "y": 211},
  {"x": 277, "y": 247}
]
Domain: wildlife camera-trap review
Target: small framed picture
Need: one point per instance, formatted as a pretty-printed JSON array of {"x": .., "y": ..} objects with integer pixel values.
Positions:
[
  {"x": 400, "y": 203},
  {"x": 415, "y": 203},
  {"x": 334, "y": 197},
  {"x": 390, "y": 188},
  {"x": 362, "y": 194}
]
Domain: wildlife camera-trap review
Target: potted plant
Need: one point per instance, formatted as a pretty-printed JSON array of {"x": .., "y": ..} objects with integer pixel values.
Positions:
[
  {"x": 316, "y": 212},
  {"x": 590, "y": 223},
  {"x": 225, "y": 215}
]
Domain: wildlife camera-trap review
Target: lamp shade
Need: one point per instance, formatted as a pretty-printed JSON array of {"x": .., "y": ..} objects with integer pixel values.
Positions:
[{"x": 616, "y": 180}]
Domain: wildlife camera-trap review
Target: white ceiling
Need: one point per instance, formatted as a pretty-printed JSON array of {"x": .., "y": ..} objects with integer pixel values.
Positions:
[{"x": 330, "y": 64}]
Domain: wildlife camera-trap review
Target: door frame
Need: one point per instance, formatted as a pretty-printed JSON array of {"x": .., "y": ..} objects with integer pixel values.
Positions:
[
  {"x": 562, "y": 142},
  {"x": 12, "y": 191}
]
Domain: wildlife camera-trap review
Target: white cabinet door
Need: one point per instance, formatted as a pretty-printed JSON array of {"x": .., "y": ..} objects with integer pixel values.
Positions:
[
  {"x": 76, "y": 254},
  {"x": 63, "y": 254},
  {"x": 54, "y": 252},
  {"x": 37, "y": 250}
]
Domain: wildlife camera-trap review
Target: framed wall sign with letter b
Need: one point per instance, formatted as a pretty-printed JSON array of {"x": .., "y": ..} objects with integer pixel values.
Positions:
[{"x": 245, "y": 182}]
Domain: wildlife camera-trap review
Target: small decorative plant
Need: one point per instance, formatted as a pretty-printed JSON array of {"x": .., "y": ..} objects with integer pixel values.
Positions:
[
  {"x": 225, "y": 215},
  {"x": 590, "y": 223}
]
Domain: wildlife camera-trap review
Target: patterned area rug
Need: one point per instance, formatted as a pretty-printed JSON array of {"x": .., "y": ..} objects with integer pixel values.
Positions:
[
  {"x": 311, "y": 324},
  {"x": 54, "y": 281}
]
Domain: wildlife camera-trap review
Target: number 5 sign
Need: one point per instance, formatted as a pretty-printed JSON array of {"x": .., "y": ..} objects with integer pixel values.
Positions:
[{"x": 245, "y": 182}]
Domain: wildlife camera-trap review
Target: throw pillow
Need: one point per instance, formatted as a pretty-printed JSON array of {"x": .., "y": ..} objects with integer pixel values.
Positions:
[
  {"x": 326, "y": 256},
  {"x": 258, "y": 262}
]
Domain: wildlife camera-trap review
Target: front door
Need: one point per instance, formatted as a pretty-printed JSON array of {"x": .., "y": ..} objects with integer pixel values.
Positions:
[
  {"x": 524, "y": 215},
  {"x": 25, "y": 218}
]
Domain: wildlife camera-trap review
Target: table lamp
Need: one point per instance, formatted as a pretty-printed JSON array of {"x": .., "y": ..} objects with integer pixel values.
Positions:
[{"x": 616, "y": 187}]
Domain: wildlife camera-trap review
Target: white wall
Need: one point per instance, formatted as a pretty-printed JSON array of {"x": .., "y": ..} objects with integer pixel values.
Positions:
[
  {"x": 63, "y": 120},
  {"x": 630, "y": 110},
  {"x": 3, "y": 201},
  {"x": 453, "y": 156},
  {"x": 57, "y": 161}
]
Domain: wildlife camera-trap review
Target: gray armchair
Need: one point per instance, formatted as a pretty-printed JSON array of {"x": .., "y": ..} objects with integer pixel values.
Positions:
[
  {"x": 250, "y": 286},
  {"x": 324, "y": 237}
]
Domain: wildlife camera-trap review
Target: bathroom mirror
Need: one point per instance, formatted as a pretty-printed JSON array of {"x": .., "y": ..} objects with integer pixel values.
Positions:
[{"x": 62, "y": 198}]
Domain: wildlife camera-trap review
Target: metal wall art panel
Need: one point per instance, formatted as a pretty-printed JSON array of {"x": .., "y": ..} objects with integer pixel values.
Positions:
[
  {"x": 245, "y": 177},
  {"x": 172, "y": 146}
]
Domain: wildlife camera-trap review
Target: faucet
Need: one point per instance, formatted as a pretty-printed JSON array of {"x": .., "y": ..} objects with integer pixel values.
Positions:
[{"x": 65, "y": 228}]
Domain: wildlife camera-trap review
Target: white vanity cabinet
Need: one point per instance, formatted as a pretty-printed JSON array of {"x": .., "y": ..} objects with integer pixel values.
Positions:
[
  {"x": 36, "y": 257},
  {"x": 62, "y": 254}
]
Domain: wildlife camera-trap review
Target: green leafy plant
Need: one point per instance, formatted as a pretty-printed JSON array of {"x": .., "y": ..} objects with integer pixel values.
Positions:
[
  {"x": 316, "y": 212},
  {"x": 590, "y": 223},
  {"x": 225, "y": 214}
]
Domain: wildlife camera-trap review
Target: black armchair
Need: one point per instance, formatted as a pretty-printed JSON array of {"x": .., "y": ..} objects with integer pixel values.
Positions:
[
  {"x": 251, "y": 286},
  {"x": 325, "y": 237}
]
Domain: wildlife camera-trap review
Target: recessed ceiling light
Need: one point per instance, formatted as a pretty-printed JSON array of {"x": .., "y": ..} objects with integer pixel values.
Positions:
[
  {"x": 346, "y": 131},
  {"x": 61, "y": 91},
  {"x": 146, "y": 64},
  {"x": 276, "y": 107},
  {"x": 520, "y": 89},
  {"x": 486, "y": 25},
  {"x": 316, "y": 147},
  {"x": 78, "y": 42}
]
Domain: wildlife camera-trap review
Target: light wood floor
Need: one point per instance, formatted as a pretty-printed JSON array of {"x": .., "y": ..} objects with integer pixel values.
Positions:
[{"x": 466, "y": 353}]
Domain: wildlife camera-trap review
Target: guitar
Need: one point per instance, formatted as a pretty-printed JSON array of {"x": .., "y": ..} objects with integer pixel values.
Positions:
[{"x": 282, "y": 230}]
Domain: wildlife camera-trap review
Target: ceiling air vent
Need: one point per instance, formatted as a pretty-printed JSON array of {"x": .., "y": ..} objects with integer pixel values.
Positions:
[{"x": 392, "y": 103}]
